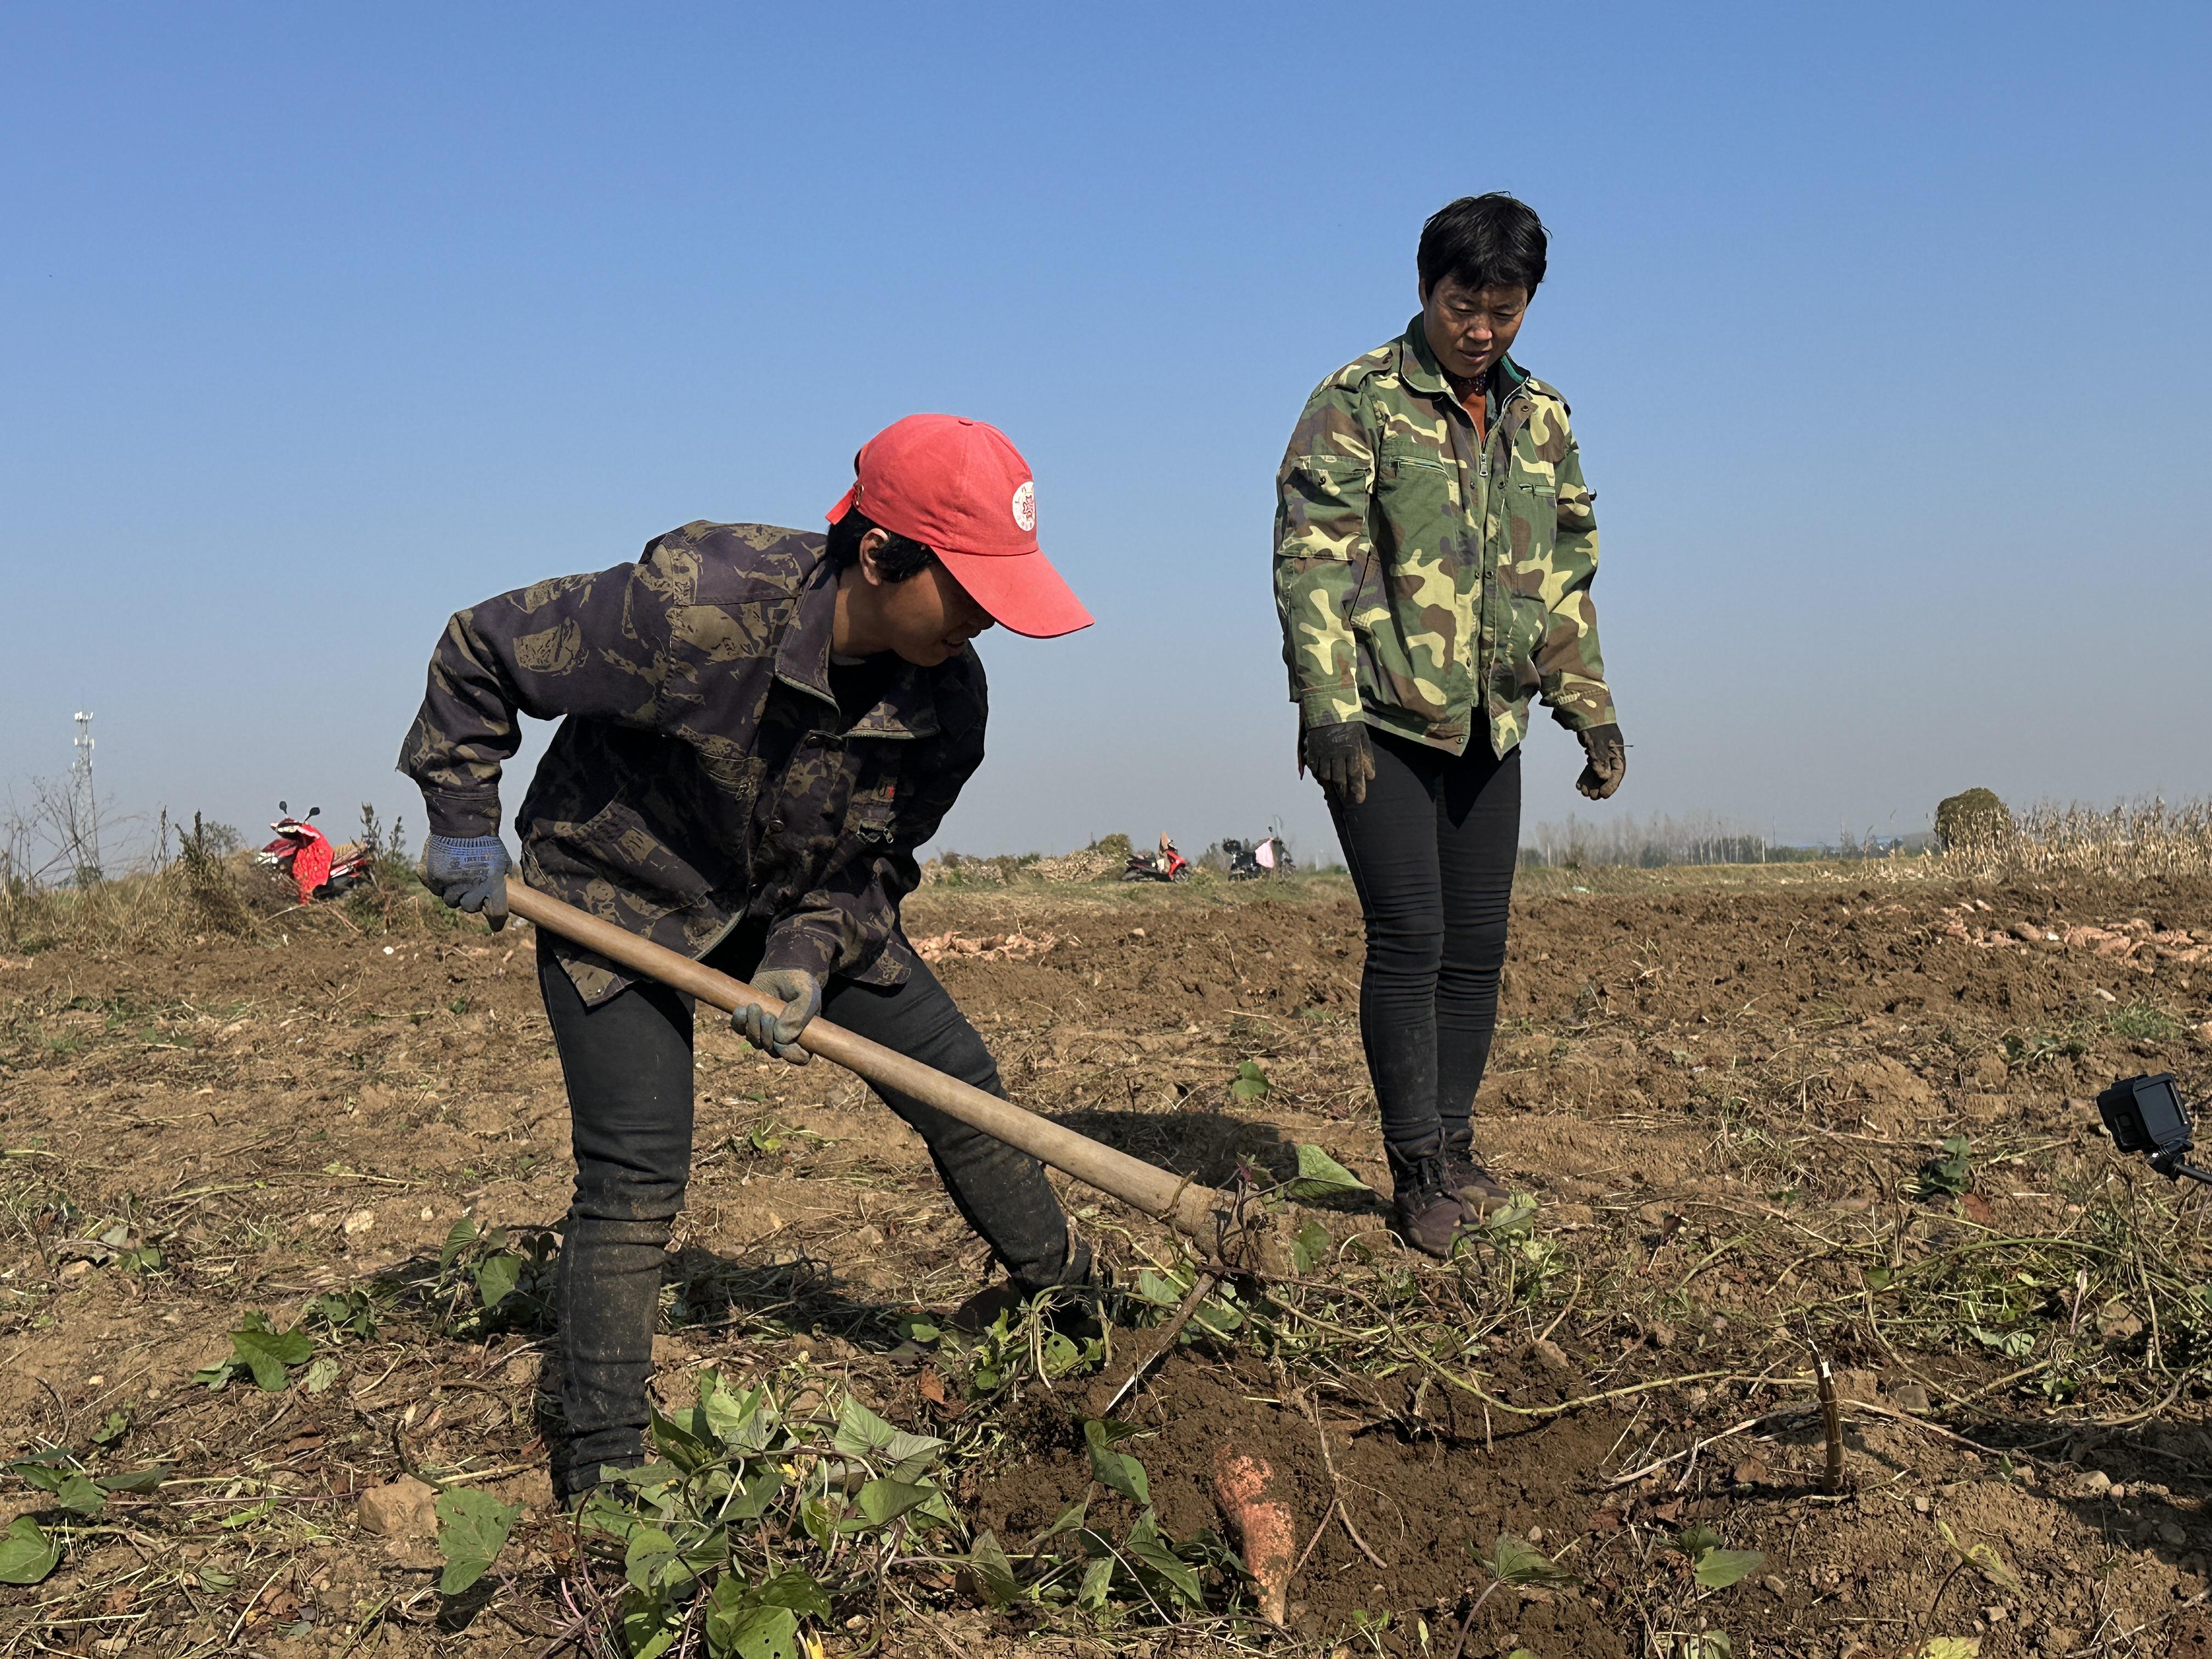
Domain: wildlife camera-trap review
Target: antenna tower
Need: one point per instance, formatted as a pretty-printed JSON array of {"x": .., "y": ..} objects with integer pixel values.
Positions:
[{"x": 84, "y": 800}]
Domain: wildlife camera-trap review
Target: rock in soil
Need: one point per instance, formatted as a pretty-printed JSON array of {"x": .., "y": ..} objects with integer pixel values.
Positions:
[{"x": 405, "y": 1508}]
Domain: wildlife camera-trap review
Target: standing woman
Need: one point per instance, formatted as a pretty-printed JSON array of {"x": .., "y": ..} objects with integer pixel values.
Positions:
[{"x": 1434, "y": 552}]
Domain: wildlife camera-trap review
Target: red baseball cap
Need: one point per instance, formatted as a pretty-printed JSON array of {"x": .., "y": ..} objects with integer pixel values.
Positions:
[{"x": 962, "y": 490}]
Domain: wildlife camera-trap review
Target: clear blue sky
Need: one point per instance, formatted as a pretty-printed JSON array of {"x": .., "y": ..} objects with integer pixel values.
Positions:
[{"x": 1884, "y": 327}]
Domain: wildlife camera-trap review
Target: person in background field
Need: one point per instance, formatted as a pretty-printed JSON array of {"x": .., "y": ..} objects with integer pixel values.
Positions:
[
  {"x": 1434, "y": 552},
  {"x": 759, "y": 725}
]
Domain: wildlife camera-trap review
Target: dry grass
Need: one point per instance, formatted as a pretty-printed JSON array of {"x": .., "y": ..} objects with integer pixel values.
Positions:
[
  {"x": 2131, "y": 841},
  {"x": 156, "y": 908},
  {"x": 199, "y": 894}
]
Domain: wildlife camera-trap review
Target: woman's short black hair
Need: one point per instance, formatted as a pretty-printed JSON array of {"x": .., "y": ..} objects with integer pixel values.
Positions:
[
  {"x": 898, "y": 558},
  {"x": 1484, "y": 241}
]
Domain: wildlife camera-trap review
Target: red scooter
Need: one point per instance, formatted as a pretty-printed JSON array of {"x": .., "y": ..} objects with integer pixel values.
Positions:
[
  {"x": 1166, "y": 865},
  {"x": 302, "y": 852}
]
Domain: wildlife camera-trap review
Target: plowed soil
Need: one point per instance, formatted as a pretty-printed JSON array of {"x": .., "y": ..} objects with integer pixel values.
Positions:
[{"x": 1723, "y": 1096}]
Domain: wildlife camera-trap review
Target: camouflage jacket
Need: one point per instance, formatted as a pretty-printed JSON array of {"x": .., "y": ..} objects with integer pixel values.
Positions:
[
  {"x": 699, "y": 780},
  {"x": 1423, "y": 577}
]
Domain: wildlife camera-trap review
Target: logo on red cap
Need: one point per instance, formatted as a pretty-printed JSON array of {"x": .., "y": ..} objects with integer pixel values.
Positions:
[{"x": 1025, "y": 507}]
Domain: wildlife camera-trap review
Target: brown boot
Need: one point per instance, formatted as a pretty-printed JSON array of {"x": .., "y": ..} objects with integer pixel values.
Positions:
[
  {"x": 1425, "y": 1212},
  {"x": 1475, "y": 1186}
]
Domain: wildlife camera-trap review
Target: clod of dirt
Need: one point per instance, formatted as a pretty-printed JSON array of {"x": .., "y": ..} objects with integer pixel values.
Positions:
[{"x": 405, "y": 1508}]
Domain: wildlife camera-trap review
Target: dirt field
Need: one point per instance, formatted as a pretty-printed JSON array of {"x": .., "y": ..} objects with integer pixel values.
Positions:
[{"x": 1728, "y": 1099}]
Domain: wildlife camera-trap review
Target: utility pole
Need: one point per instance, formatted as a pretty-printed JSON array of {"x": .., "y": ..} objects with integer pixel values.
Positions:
[{"x": 84, "y": 804}]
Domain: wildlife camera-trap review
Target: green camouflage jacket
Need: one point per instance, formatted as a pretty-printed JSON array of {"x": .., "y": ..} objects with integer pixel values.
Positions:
[
  {"x": 1422, "y": 578},
  {"x": 698, "y": 780}
]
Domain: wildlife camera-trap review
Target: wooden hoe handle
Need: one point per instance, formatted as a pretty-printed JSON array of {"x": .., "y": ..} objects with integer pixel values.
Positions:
[{"x": 1196, "y": 1212}]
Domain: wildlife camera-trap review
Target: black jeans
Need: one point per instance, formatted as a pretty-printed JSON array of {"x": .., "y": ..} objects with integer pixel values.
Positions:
[
  {"x": 1432, "y": 851},
  {"x": 627, "y": 1066}
]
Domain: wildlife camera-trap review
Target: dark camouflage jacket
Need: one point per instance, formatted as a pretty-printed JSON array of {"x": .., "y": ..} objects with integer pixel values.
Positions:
[
  {"x": 1426, "y": 580},
  {"x": 698, "y": 779}
]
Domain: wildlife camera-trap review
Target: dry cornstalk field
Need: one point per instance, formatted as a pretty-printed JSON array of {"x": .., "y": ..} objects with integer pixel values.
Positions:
[{"x": 279, "y": 1213}]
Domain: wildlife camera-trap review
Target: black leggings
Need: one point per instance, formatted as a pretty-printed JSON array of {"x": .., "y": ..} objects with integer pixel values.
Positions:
[
  {"x": 627, "y": 1066},
  {"x": 1432, "y": 851}
]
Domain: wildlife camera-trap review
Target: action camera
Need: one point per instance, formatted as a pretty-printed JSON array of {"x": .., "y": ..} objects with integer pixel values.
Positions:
[{"x": 2145, "y": 1115}]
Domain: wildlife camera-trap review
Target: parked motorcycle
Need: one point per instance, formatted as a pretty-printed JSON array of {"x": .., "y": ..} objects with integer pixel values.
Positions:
[
  {"x": 1166, "y": 865},
  {"x": 1250, "y": 862},
  {"x": 302, "y": 852}
]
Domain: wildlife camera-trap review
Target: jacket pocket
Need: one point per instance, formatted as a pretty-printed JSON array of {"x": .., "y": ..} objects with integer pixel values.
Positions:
[
  {"x": 619, "y": 844},
  {"x": 1421, "y": 516},
  {"x": 1532, "y": 519}
]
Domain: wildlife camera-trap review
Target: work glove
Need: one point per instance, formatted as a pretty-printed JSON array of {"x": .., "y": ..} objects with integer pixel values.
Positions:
[
  {"x": 777, "y": 1032},
  {"x": 470, "y": 873},
  {"x": 1608, "y": 762},
  {"x": 1341, "y": 758}
]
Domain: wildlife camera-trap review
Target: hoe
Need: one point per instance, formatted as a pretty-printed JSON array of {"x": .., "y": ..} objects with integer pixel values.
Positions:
[{"x": 1207, "y": 1217}]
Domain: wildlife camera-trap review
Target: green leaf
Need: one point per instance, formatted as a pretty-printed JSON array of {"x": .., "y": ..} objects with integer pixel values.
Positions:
[
  {"x": 647, "y": 1634},
  {"x": 463, "y": 1234},
  {"x": 322, "y": 1373},
  {"x": 1098, "y": 1579},
  {"x": 883, "y": 1501},
  {"x": 266, "y": 1354},
  {"x": 859, "y": 1431},
  {"x": 762, "y": 1623},
  {"x": 1310, "y": 1246},
  {"x": 1518, "y": 1562},
  {"x": 1116, "y": 1469},
  {"x": 651, "y": 1560},
  {"x": 685, "y": 1449},
  {"x": 1151, "y": 1552},
  {"x": 80, "y": 1496},
  {"x": 1071, "y": 1520},
  {"x": 1516, "y": 1220},
  {"x": 1952, "y": 1173},
  {"x": 759, "y": 1493},
  {"x": 795, "y": 1591},
  {"x": 138, "y": 1480},
  {"x": 472, "y": 1525},
  {"x": 1160, "y": 1292},
  {"x": 1709, "y": 1644},
  {"x": 994, "y": 1571},
  {"x": 1250, "y": 1083},
  {"x": 727, "y": 1416},
  {"x": 46, "y": 1471},
  {"x": 1718, "y": 1569},
  {"x": 1321, "y": 1176},
  {"x": 762, "y": 1632},
  {"x": 112, "y": 1431},
  {"x": 27, "y": 1554},
  {"x": 1878, "y": 1278},
  {"x": 1694, "y": 1539},
  {"x": 497, "y": 1277},
  {"x": 820, "y": 1521}
]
